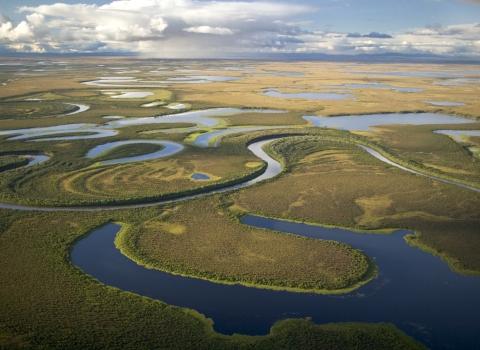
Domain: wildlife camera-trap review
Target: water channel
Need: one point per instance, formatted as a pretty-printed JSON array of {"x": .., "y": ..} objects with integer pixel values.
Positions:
[{"x": 414, "y": 290}]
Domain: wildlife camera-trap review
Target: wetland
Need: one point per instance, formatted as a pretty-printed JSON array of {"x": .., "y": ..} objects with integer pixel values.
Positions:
[{"x": 346, "y": 210}]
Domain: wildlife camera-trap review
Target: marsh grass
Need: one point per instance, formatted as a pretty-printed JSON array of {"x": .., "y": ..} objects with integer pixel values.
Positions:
[
  {"x": 216, "y": 247},
  {"x": 49, "y": 303}
]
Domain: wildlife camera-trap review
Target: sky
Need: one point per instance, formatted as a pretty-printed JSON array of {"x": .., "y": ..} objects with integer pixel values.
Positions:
[{"x": 224, "y": 29}]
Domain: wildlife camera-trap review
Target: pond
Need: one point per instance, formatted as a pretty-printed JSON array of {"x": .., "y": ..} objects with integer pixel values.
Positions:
[
  {"x": 170, "y": 149},
  {"x": 414, "y": 290},
  {"x": 209, "y": 78},
  {"x": 382, "y": 86},
  {"x": 457, "y": 134},
  {"x": 81, "y": 108},
  {"x": 365, "y": 122},
  {"x": 177, "y": 106},
  {"x": 205, "y": 139},
  {"x": 60, "y": 129},
  {"x": 273, "y": 168},
  {"x": 204, "y": 118},
  {"x": 442, "y": 103},
  {"x": 137, "y": 94},
  {"x": 281, "y": 74},
  {"x": 198, "y": 176},
  {"x": 36, "y": 159}
]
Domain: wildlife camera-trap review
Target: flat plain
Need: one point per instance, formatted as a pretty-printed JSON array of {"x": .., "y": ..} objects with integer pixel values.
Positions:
[{"x": 325, "y": 179}]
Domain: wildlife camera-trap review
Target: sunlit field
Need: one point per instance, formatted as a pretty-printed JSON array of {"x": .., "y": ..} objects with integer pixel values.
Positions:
[{"x": 182, "y": 177}]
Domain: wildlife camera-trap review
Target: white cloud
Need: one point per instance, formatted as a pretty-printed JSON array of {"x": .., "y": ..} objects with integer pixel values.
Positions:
[
  {"x": 192, "y": 28},
  {"x": 209, "y": 30},
  {"x": 33, "y": 28},
  {"x": 157, "y": 25}
]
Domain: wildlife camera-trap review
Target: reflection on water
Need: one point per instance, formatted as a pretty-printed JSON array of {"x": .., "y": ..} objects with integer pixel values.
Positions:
[
  {"x": 414, "y": 290},
  {"x": 457, "y": 134},
  {"x": 442, "y": 103},
  {"x": 364, "y": 122},
  {"x": 137, "y": 94},
  {"x": 205, "y": 139},
  {"x": 170, "y": 149},
  {"x": 198, "y": 176},
  {"x": 273, "y": 169},
  {"x": 383, "y": 86},
  {"x": 201, "y": 118}
]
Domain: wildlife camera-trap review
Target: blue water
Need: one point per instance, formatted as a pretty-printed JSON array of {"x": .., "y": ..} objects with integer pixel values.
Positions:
[
  {"x": 170, "y": 149},
  {"x": 204, "y": 139},
  {"x": 443, "y": 103},
  {"x": 364, "y": 122},
  {"x": 383, "y": 86},
  {"x": 198, "y": 176},
  {"x": 414, "y": 290}
]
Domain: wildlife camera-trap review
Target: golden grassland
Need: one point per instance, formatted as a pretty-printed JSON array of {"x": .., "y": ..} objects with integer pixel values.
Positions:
[
  {"x": 330, "y": 77},
  {"x": 419, "y": 144},
  {"x": 208, "y": 244},
  {"x": 341, "y": 185},
  {"x": 288, "y": 118},
  {"x": 49, "y": 303}
]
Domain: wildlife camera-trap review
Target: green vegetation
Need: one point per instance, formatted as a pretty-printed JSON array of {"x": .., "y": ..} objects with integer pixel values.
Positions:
[
  {"x": 49, "y": 303},
  {"x": 126, "y": 151},
  {"x": 11, "y": 162},
  {"x": 184, "y": 242},
  {"x": 33, "y": 109},
  {"x": 431, "y": 152},
  {"x": 71, "y": 179},
  {"x": 357, "y": 191},
  {"x": 327, "y": 180},
  {"x": 289, "y": 118}
]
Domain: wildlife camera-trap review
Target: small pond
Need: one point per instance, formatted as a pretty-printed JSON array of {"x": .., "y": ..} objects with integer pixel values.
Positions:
[
  {"x": 36, "y": 159},
  {"x": 137, "y": 94},
  {"x": 210, "y": 78},
  {"x": 153, "y": 104},
  {"x": 457, "y": 134},
  {"x": 382, "y": 86},
  {"x": 81, "y": 108},
  {"x": 281, "y": 74},
  {"x": 199, "y": 176},
  {"x": 442, "y": 103},
  {"x": 177, "y": 106}
]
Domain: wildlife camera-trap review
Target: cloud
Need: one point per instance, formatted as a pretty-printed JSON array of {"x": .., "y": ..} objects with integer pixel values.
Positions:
[
  {"x": 157, "y": 25},
  {"x": 3, "y": 18},
  {"x": 209, "y": 30},
  {"x": 370, "y": 35},
  {"x": 34, "y": 28}
]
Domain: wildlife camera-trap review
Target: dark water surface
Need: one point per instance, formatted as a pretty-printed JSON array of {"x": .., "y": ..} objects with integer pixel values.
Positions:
[{"x": 414, "y": 290}]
